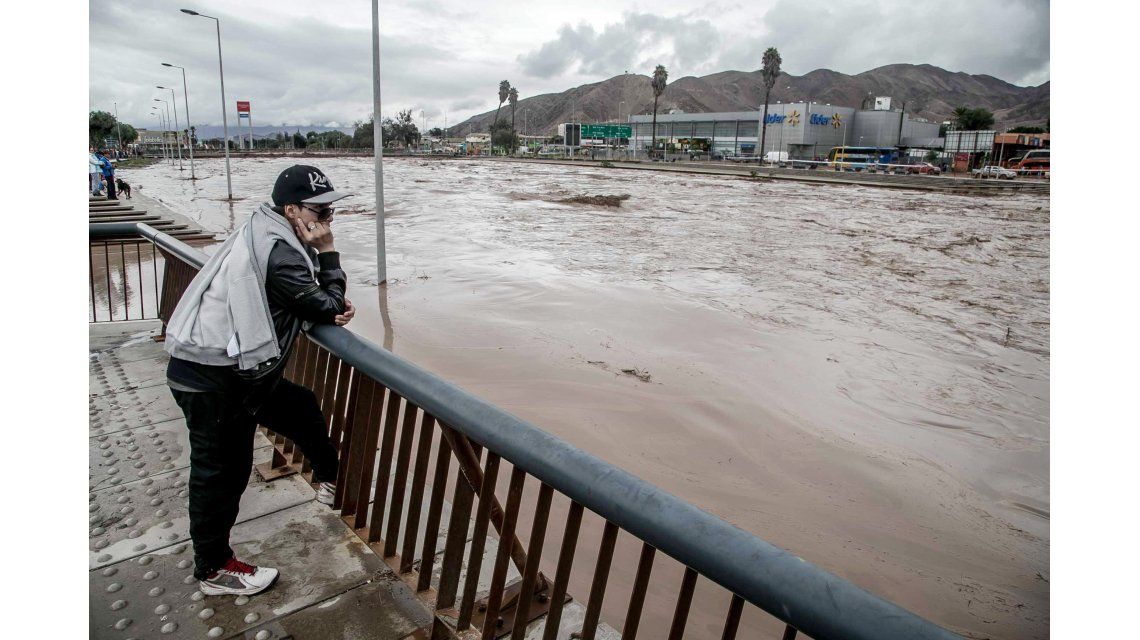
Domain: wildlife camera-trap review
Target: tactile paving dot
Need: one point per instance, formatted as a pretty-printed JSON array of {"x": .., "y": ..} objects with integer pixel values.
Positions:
[
  {"x": 166, "y": 447},
  {"x": 143, "y": 407}
]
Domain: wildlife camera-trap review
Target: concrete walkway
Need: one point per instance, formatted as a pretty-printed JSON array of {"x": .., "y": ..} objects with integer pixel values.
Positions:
[{"x": 140, "y": 561}]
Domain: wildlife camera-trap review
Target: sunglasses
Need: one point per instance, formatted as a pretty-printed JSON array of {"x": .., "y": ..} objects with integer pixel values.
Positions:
[{"x": 324, "y": 214}]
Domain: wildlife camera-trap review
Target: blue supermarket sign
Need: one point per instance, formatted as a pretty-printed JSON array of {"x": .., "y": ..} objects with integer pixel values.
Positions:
[
  {"x": 791, "y": 119},
  {"x": 835, "y": 121}
]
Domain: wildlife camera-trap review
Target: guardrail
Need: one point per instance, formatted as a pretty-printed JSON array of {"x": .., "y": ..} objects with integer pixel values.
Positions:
[{"x": 384, "y": 414}]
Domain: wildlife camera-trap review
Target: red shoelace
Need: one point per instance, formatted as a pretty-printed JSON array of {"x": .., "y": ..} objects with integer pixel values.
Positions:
[{"x": 237, "y": 566}]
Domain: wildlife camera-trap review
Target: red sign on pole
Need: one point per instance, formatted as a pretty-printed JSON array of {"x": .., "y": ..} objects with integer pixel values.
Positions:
[{"x": 243, "y": 106}]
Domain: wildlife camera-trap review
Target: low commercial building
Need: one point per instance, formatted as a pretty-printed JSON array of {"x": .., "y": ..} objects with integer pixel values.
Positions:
[{"x": 803, "y": 130}]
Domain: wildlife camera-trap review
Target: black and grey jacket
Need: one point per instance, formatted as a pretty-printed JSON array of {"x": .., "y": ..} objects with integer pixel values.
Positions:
[{"x": 294, "y": 293}]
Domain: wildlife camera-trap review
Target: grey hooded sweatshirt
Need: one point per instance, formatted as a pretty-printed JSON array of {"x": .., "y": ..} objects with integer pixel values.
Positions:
[{"x": 223, "y": 318}]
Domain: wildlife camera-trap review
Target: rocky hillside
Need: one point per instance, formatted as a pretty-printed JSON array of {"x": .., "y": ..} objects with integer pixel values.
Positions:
[{"x": 928, "y": 91}]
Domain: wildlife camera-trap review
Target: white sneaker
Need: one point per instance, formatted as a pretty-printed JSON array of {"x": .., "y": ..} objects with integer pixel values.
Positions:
[
  {"x": 326, "y": 493},
  {"x": 238, "y": 578}
]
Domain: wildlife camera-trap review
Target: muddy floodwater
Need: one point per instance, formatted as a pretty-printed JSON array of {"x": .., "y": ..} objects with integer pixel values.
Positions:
[{"x": 858, "y": 375}]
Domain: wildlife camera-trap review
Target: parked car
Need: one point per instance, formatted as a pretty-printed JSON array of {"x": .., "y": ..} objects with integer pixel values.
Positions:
[
  {"x": 924, "y": 168},
  {"x": 991, "y": 171}
]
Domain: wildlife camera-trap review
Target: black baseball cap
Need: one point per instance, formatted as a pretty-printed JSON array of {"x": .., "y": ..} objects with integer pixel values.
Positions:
[{"x": 303, "y": 183}]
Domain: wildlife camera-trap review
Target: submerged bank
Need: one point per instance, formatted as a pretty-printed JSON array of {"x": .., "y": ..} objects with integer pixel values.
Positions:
[{"x": 857, "y": 375}]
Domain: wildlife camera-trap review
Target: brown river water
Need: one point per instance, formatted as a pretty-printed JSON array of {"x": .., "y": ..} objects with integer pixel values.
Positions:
[{"x": 859, "y": 375}]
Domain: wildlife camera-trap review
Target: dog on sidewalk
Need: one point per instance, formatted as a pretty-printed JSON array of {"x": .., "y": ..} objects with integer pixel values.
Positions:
[{"x": 123, "y": 187}]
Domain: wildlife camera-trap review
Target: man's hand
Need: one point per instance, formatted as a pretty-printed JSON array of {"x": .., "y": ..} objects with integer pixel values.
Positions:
[
  {"x": 349, "y": 312},
  {"x": 317, "y": 235}
]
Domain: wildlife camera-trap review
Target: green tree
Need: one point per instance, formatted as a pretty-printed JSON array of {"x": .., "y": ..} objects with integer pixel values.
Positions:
[
  {"x": 504, "y": 93},
  {"x": 967, "y": 119},
  {"x": 362, "y": 133},
  {"x": 299, "y": 141},
  {"x": 660, "y": 77},
  {"x": 769, "y": 71},
  {"x": 101, "y": 125},
  {"x": 502, "y": 135},
  {"x": 404, "y": 130},
  {"x": 130, "y": 134},
  {"x": 435, "y": 132},
  {"x": 513, "y": 98}
]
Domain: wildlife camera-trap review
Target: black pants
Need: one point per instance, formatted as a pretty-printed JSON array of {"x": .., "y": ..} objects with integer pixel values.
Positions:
[
  {"x": 221, "y": 457},
  {"x": 111, "y": 194}
]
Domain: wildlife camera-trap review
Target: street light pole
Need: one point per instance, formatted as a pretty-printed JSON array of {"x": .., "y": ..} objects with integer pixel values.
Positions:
[
  {"x": 118, "y": 127},
  {"x": 186, "y": 104},
  {"x": 222, "y": 79},
  {"x": 378, "y": 147},
  {"x": 177, "y": 129},
  {"x": 161, "y": 123},
  {"x": 167, "y": 124}
]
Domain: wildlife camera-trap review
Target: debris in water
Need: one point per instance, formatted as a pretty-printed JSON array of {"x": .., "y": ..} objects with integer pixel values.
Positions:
[
  {"x": 637, "y": 373},
  {"x": 599, "y": 200}
]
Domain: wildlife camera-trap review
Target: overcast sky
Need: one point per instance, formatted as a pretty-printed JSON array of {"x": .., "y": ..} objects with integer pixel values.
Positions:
[{"x": 304, "y": 62}]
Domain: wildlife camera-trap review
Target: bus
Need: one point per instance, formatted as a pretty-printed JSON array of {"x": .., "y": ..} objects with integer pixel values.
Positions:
[
  {"x": 1034, "y": 162},
  {"x": 860, "y": 158}
]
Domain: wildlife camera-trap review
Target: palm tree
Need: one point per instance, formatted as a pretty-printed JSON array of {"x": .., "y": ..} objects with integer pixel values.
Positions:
[
  {"x": 961, "y": 115},
  {"x": 513, "y": 98},
  {"x": 504, "y": 92},
  {"x": 769, "y": 71},
  {"x": 660, "y": 76}
]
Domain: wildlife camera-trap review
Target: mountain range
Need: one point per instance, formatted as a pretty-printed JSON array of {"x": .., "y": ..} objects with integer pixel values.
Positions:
[{"x": 923, "y": 90}]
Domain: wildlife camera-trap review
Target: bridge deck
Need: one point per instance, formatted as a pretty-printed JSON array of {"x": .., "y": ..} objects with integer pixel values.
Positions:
[{"x": 140, "y": 561}]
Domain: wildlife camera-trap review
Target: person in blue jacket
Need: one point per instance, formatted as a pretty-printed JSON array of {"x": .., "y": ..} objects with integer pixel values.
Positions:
[{"x": 108, "y": 175}]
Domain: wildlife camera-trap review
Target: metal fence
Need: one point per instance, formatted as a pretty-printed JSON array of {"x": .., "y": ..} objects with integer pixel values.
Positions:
[{"x": 395, "y": 425}]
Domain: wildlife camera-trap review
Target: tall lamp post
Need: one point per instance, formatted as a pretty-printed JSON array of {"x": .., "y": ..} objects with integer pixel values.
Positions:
[
  {"x": 167, "y": 124},
  {"x": 161, "y": 123},
  {"x": 222, "y": 78},
  {"x": 118, "y": 127},
  {"x": 177, "y": 129},
  {"x": 186, "y": 104},
  {"x": 378, "y": 146}
]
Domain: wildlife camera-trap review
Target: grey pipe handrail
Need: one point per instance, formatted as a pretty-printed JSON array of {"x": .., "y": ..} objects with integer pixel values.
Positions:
[
  {"x": 815, "y": 602},
  {"x": 176, "y": 247}
]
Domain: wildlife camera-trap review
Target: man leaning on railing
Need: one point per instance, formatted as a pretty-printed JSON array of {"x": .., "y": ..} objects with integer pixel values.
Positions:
[{"x": 229, "y": 338}]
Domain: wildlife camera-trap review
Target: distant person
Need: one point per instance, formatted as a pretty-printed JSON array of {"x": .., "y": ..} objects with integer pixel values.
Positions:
[
  {"x": 229, "y": 338},
  {"x": 94, "y": 172},
  {"x": 108, "y": 174}
]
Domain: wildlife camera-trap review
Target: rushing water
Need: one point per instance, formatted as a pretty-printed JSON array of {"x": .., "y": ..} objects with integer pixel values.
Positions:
[{"x": 916, "y": 321}]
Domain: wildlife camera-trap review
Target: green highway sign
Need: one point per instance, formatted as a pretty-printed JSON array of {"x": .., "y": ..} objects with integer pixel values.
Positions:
[{"x": 607, "y": 131}]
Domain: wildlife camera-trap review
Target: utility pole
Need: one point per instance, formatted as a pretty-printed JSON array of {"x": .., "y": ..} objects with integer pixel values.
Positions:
[
  {"x": 378, "y": 147},
  {"x": 118, "y": 126}
]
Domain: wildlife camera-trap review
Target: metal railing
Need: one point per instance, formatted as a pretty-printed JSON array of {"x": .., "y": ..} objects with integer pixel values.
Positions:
[{"x": 384, "y": 414}]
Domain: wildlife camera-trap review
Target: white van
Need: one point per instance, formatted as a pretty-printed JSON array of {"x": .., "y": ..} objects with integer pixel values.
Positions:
[{"x": 774, "y": 157}]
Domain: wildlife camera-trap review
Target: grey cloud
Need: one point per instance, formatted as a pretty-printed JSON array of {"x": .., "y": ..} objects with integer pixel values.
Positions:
[
  {"x": 1008, "y": 40},
  {"x": 297, "y": 71},
  {"x": 303, "y": 70},
  {"x": 691, "y": 44}
]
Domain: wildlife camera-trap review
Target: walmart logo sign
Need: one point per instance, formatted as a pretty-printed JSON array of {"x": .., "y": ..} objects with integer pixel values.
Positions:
[
  {"x": 792, "y": 118},
  {"x": 835, "y": 121}
]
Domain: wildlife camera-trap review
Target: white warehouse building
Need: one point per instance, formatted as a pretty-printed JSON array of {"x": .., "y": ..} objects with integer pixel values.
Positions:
[{"x": 804, "y": 130}]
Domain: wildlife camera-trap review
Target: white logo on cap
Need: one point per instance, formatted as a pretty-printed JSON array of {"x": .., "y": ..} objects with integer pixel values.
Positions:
[{"x": 317, "y": 179}]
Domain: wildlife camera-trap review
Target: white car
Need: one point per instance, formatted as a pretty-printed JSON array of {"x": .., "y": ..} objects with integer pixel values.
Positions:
[{"x": 1000, "y": 173}]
